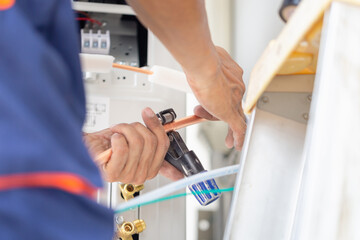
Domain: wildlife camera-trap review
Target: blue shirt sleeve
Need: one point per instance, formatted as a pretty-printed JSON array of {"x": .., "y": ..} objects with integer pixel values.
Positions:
[{"x": 42, "y": 104}]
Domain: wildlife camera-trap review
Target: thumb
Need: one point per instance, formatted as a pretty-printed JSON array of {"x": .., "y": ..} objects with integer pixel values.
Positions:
[{"x": 151, "y": 120}]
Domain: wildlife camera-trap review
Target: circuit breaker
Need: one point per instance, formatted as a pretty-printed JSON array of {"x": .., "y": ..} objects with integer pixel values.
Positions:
[{"x": 119, "y": 97}]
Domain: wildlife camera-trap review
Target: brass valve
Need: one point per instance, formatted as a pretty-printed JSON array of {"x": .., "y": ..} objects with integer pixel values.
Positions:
[
  {"x": 128, "y": 190},
  {"x": 127, "y": 229}
]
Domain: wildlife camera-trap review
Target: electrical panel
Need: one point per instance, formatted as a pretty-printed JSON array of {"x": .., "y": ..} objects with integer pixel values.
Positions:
[
  {"x": 118, "y": 97},
  {"x": 120, "y": 36}
]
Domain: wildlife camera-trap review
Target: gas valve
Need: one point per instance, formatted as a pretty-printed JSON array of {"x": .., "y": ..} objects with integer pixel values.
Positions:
[
  {"x": 127, "y": 229},
  {"x": 128, "y": 190}
]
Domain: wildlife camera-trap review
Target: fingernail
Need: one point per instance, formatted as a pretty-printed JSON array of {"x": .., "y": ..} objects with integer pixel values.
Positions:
[{"x": 149, "y": 112}]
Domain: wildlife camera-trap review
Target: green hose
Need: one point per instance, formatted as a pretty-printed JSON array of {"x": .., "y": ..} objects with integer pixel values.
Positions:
[{"x": 177, "y": 196}]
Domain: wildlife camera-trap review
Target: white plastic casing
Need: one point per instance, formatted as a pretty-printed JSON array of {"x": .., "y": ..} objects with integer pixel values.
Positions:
[
  {"x": 96, "y": 63},
  {"x": 170, "y": 78}
]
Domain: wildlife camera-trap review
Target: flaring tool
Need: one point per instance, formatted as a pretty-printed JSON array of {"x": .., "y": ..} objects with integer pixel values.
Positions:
[{"x": 187, "y": 162}]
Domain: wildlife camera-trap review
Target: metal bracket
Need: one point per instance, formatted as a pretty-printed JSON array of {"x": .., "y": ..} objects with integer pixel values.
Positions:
[{"x": 294, "y": 106}]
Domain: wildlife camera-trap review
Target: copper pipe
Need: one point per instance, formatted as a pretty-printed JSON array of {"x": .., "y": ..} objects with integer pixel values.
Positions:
[
  {"x": 134, "y": 69},
  {"x": 184, "y": 122},
  {"x": 104, "y": 157}
]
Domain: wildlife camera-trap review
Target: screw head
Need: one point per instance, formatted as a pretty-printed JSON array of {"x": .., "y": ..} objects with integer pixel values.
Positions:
[
  {"x": 265, "y": 99},
  {"x": 306, "y": 116},
  {"x": 309, "y": 98},
  {"x": 119, "y": 219}
]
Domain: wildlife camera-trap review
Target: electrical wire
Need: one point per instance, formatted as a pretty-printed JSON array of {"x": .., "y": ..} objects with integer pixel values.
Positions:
[
  {"x": 174, "y": 196},
  {"x": 86, "y": 15},
  {"x": 89, "y": 19},
  {"x": 83, "y": 13}
]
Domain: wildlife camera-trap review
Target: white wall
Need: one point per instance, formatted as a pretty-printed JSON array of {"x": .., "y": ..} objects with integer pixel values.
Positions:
[
  {"x": 244, "y": 27},
  {"x": 220, "y": 22},
  {"x": 255, "y": 23}
]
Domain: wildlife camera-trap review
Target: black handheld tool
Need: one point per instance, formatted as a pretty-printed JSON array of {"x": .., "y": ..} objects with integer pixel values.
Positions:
[{"x": 187, "y": 162}]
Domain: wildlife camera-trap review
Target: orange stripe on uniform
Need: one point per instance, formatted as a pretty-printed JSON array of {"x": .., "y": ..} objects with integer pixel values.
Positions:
[
  {"x": 63, "y": 181},
  {"x": 6, "y": 4}
]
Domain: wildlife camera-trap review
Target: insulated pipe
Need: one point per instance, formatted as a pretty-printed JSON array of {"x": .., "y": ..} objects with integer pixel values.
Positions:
[
  {"x": 175, "y": 186},
  {"x": 170, "y": 78}
]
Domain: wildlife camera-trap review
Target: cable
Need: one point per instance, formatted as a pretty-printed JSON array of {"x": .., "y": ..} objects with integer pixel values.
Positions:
[
  {"x": 175, "y": 186},
  {"x": 89, "y": 19},
  {"x": 175, "y": 196},
  {"x": 83, "y": 13}
]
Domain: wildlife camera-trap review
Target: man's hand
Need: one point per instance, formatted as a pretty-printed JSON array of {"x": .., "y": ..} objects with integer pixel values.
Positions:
[
  {"x": 220, "y": 90},
  {"x": 215, "y": 78},
  {"x": 138, "y": 151}
]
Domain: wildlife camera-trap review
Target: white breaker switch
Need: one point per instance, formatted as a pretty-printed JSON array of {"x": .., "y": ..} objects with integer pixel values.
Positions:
[{"x": 96, "y": 42}]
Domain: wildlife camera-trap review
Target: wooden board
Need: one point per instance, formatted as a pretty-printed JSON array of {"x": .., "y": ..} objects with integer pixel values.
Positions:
[{"x": 308, "y": 13}]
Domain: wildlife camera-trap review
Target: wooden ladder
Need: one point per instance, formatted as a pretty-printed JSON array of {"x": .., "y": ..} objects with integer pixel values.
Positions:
[{"x": 300, "y": 174}]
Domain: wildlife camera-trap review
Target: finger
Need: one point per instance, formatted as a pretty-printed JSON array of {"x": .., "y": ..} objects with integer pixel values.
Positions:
[
  {"x": 120, "y": 152},
  {"x": 147, "y": 156},
  {"x": 201, "y": 112},
  {"x": 97, "y": 143},
  {"x": 239, "y": 130},
  {"x": 169, "y": 171},
  {"x": 136, "y": 144},
  {"x": 229, "y": 140},
  {"x": 154, "y": 125},
  {"x": 105, "y": 133},
  {"x": 243, "y": 115},
  {"x": 241, "y": 112}
]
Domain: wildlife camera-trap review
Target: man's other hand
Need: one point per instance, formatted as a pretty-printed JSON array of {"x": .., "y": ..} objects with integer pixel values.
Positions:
[
  {"x": 219, "y": 88},
  {"x": 138, "y": 150}
]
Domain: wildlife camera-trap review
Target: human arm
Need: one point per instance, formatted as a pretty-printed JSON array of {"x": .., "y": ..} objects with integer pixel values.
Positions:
[{"x": 214, "y": 77}]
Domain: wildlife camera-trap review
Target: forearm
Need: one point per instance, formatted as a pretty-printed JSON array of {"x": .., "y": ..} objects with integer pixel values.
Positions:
[
  {"x": 215, "y": 79},
  {"x": 183, "y": 28}
]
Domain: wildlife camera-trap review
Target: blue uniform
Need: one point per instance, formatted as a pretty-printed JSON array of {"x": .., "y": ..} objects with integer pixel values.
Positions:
[{"x": 42, "y": 109}]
